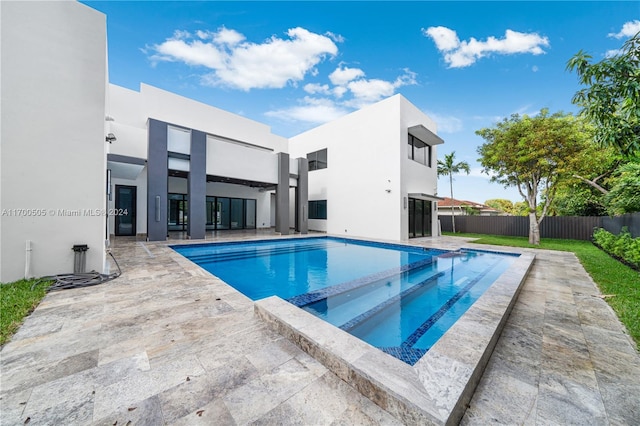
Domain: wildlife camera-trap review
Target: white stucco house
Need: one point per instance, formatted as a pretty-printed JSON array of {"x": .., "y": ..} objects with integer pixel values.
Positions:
[{"x": 82, "y": 160}]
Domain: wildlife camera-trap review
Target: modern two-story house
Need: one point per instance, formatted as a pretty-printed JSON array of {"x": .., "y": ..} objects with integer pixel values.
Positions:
[{"x": 82, "y": 160}]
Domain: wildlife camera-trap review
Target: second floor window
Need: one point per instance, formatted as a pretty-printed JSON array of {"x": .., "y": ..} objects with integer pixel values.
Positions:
[
  {"x": 419, "y": 151},
  {"x": 317, "y": 160}
]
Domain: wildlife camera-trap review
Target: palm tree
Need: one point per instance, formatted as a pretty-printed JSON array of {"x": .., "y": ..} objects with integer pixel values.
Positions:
[{"x": 449, "y": 167}]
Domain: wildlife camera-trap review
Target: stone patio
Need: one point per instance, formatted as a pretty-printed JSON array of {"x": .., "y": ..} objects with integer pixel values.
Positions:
[{"x": 167, "y": 343}]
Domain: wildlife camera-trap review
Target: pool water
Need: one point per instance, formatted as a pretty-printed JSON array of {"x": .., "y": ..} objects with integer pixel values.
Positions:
[{"x": 401, "y": 299}]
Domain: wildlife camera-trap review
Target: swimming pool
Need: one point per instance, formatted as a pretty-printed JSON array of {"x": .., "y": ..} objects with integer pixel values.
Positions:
[{"x": 399, "y": 298}]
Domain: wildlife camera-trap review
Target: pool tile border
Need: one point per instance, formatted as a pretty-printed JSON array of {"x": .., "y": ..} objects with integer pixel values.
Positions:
[{"x": 438, "y": 387}]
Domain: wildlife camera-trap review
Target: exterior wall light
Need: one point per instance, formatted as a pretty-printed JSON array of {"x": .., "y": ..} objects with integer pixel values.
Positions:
[{"x": 110, "y": 138}]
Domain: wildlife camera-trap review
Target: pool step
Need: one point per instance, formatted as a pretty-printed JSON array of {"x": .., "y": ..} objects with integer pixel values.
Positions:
[
  {"x": 354, "y": 322},
  {"x": 425, "y": 326},
  {"x": 406, "y": 352},
  {"x": 315, "y": 296}
]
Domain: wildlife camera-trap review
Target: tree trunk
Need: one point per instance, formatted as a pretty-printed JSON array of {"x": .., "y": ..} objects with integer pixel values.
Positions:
[
  {"x": 534, "y": 229},
  {"x": 453, "y": 210}
]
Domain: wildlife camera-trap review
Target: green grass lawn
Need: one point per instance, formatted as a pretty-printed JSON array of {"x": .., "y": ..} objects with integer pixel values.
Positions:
[
  {"x": 17, "y": 300},
  {"x": 612, "y": 277}
]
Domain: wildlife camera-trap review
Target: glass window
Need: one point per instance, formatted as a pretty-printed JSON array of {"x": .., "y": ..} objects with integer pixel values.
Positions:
[
  {"x": 223, "y": 211},
  {"x": 419, "y": 151},
  {"x": 250, "y": 214},
  {"x": 178, "y": 140},
  {"x": 317, "y": 160},
  {"x": 230, "y": 213},
  {"x": 177, "y": 217},
  {"x": 318, "y": 209},
  {"x": 211, "y": 212},
  {"x": 237, "y": 213}
]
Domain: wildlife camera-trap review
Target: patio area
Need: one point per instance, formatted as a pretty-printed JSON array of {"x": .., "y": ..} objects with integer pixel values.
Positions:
[{"x": 167, "y": 343}]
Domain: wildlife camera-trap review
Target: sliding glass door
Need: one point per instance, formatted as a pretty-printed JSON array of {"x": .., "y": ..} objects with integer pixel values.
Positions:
[
  {"x": 419, "y": 218},
  {"x": 230, "y": 213},
  {"x": 177, "y": 217}
]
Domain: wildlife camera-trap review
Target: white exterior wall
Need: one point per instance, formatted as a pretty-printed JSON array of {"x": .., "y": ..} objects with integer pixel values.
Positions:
[
  {"x": 369, "y": 174},
  {"x": 52, "y": 136},
  {"x": 236, "y": 146},
  {"x": 362, "y": 180},
  {"x": 181, "y": 111},
  {"x": 242, "y": 162},
  {"x": 417, "y": 178},
  {"x": 129, "y": 124},
  {"x": 130, "y": 111}
]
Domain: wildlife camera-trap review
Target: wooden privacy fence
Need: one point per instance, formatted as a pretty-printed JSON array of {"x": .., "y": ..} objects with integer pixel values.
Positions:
[{"x": 566, "y": 227}]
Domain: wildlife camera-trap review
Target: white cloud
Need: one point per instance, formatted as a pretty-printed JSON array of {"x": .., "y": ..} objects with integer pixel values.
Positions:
[
  {"x": 535, "y": 68},
  {"x": 194, "y": 52},
  {"x": 445, "y": 39},
  {"x": 228, "y": 37},
  {"x": 629, "y": 29},
  {"x": 313, "y": 88},
  {"x": 371, "y": 90},
  {"x": 613, "y": 52},
  {"x": 245, "y": 65},
  {"x": 445, "y": 123},
  {"x": 342, "y": 76},
  {"x": 339, "y": 91},
  {"x": 368, "y": 91},
  {"x": 459, "y": 54},
  {"x": 335, "y": 37},
  {"x": 341, "y": 99},
  {"x": 311, "y": 110},
  {"x": 478, "y": 173}
]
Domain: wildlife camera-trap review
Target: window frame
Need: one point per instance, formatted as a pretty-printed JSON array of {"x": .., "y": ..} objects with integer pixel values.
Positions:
[
  {"x": 412, "y": 151},
  {"x": 316, "y": 208},
  {"x": 315, "y": 160}
]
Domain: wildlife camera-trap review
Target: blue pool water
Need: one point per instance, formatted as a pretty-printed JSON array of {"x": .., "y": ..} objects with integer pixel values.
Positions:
[{"x": 398, "y": 298}]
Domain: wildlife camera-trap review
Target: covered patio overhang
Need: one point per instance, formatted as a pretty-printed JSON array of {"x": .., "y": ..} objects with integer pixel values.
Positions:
[
  {"x": 124, "y": 167},
  {"x": 421, "y": 196}
]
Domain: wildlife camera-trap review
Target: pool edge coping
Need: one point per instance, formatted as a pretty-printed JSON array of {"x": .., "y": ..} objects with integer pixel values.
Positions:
[{"x": 438, "y": 387}]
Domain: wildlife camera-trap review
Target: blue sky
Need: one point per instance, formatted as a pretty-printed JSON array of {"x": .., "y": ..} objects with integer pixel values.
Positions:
[{"x": 293, "y": 65}]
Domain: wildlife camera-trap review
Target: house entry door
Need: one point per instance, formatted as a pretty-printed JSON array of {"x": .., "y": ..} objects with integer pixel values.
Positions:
[{"x": 125, "y": 210}]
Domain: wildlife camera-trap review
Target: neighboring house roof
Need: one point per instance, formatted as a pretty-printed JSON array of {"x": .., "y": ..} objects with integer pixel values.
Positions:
[{"x": 449, "y": 203}]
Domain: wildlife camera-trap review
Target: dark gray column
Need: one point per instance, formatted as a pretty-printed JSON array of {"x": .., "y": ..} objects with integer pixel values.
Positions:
[
  {"x": 197, "y": 188},
  {"x": 282, "y": 194},
  {"x": 157, "y": 175},
  {"x": 302, "y": 197}
]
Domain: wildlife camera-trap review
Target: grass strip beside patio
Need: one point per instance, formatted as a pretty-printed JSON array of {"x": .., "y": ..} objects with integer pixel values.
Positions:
[
  {"x": 17, "y": 300},
  {"x": 618, "y": 282}
]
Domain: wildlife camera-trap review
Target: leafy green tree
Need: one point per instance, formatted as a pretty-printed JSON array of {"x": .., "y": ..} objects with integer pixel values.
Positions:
[
  {"x": 449, "y": 167},
  {"x": 624, "y": 196},
  {"x": 533, "y": 154},
  {"x": 470, "y": 211},
  {"x": 611, "y": 100},
  {"x": 505, "y": 206},
  {"x": 520, "y": 208},
  {"x": 576, "y": 199},
  {"x": 593, "y": 166}
]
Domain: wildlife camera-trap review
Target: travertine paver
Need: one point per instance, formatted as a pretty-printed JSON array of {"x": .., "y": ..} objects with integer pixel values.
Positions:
[
  {"x": 167, "y": 343},
  {"x": 562, "y": 357}
]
